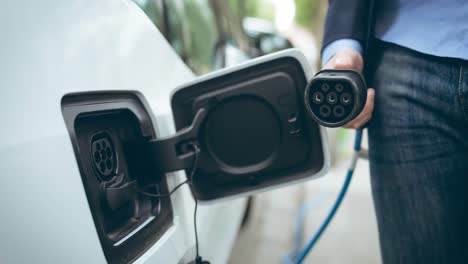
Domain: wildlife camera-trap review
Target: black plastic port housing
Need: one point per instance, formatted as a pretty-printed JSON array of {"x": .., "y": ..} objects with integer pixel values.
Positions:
[
  {"x": 255, "y": 132},
  {"x": 109, "y": 131},
  {"x": 335, "y": 97}
]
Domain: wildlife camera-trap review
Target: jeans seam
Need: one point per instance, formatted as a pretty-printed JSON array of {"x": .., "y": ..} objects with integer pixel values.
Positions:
[{"x": 461, "y": 96}]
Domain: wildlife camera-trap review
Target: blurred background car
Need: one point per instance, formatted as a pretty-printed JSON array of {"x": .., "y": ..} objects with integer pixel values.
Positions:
[
  {"x": 264, "y": 36},
  {"x": 213, "y": 34}
]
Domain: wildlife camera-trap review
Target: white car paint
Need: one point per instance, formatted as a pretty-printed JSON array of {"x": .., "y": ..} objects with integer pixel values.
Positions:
[{"x": 52, "y": 48}]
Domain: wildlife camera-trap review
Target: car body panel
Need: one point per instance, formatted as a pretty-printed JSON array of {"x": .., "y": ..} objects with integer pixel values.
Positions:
[{"x": 52, "y": 48}]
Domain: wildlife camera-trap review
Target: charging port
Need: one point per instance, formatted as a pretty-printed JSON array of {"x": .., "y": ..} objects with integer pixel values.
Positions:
[
  {"x": 104, "y": 155},
  {"x": 109, "y": 132}
]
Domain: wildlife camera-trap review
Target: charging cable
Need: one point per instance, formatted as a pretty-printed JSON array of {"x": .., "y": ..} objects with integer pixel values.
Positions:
[
  {"x": 196, "y": 149},
  {"x": 357, "y": 148}
]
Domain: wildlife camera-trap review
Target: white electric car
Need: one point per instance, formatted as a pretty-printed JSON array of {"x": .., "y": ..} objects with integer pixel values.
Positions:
[{"x": 97, "y": 109}]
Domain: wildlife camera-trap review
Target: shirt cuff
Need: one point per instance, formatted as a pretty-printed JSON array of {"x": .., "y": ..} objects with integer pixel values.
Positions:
[{"x": 337, "y": 45}]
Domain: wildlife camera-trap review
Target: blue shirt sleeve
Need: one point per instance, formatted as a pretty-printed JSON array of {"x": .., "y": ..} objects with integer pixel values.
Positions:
[{"x": 337, "y": 45}]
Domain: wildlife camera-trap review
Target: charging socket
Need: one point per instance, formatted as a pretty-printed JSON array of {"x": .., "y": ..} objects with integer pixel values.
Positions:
[{"x": 109, "y": 132}]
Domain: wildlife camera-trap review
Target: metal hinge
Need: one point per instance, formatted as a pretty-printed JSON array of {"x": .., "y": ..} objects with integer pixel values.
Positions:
[{"x": 174, "y": 153}]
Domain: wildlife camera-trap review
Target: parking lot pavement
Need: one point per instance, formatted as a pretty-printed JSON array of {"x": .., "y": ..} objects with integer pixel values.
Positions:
[{"x": 351, "y": 237}]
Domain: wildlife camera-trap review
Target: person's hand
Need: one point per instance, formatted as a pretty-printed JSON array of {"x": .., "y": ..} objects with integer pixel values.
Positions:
[{"x": 351, "y": 59}]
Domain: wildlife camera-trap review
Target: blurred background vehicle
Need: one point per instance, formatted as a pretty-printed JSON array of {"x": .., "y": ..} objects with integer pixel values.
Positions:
[
  {"x": 263, "y": 36},
  {"x": 213, "y": 34}
]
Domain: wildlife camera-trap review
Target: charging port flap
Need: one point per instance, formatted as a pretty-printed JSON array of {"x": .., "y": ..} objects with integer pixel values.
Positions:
[{"x": 255, "y": 133}]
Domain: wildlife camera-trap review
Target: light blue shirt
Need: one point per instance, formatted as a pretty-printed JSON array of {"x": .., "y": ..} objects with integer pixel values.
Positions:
[{"x": 435, "y": 27}]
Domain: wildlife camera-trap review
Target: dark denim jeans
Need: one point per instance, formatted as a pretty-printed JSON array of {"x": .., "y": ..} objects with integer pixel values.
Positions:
[{"x": 418, "y": 140}]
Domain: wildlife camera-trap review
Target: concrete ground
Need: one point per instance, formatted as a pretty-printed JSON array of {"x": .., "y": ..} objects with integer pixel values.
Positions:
[{"x": 350, "y": 238}]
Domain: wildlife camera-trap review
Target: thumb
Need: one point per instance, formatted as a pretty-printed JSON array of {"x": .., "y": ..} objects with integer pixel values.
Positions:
[{"x": 348, "y": 59}]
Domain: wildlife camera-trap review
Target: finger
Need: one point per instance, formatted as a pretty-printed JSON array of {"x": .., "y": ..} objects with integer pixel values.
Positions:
[
  {"x": 356, "y": 124},
  {"x": 370, "y": 100},
  {"x": 353, "y": 124},
  {"x": 363, "y": 115},
  {"x": 348, "y": 59},
  {"x": 366, "y": 113}
]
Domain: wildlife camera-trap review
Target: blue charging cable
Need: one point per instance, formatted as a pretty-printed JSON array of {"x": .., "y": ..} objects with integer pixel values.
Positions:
[{"x": 349, "y": 175}]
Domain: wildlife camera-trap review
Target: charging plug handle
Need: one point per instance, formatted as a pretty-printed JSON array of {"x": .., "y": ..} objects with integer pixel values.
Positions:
[{"x": 335, "y": 97}]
